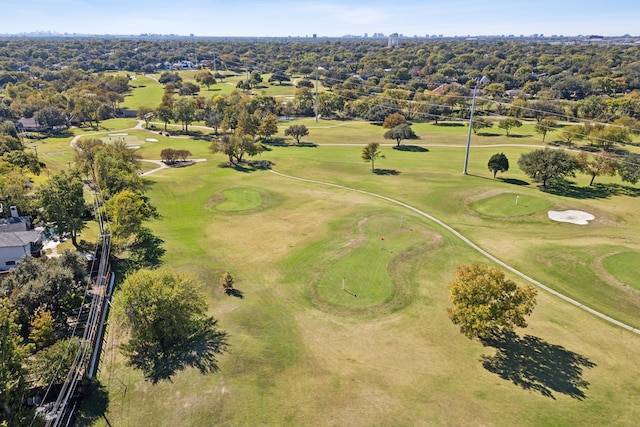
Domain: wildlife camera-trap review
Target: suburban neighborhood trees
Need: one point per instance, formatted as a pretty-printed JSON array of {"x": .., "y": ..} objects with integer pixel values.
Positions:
[
  {"x": 498, "y": 163},
  {"x": 62, "y": 203},
  {"x": 370, "y": 153},
  {"x": 486, "y": 303},
  {"x": 545, "y": 165},
  {"x": 297, "y": 132},
  {"x": 399, "y": 133},
  {"x": 166, "y": 316}
]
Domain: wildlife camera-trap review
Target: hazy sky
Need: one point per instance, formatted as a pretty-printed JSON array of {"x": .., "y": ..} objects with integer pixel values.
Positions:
[{"x": 322, "y": 17}]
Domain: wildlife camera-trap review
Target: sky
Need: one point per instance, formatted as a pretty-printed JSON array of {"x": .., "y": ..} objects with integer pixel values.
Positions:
[{"x": 326, "y": 18}]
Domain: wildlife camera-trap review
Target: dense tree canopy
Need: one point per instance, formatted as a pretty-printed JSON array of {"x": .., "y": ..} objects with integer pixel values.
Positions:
[
  {"x": 498, "y": 163},
  {"x": 166, "y": 316},
  {"x": 485, "y": 303},
  {"x": 547, "y": 165}
]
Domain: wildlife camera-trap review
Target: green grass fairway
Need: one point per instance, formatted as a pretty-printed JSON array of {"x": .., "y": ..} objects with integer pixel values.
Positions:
[
  {"x": 625, "y": 267},
  {"x": 506, "y": 205},
  {"x": 305, "y": 352},
  {"x": 239, "y": 199}
]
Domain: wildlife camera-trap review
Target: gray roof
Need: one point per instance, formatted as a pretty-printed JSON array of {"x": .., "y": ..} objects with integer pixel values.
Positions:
[
  {"x": 12, "y": 239},
  {"x": 22, "y": 223}
]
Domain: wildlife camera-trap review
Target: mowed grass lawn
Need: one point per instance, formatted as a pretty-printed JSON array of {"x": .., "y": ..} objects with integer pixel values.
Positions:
[{"x": 305, "y": 352}]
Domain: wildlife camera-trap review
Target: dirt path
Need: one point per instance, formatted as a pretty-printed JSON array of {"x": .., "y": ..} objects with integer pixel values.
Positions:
[{"x": 474, "y": 246}]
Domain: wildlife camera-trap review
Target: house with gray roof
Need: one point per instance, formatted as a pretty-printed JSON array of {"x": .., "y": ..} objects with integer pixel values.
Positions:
[{"x": 17, "y": 239}]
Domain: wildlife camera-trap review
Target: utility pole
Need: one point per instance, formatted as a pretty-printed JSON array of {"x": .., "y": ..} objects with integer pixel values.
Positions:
[
  {"x": 215, "y": 69},
  {"x": 466, "y": 155},
  {"x": 316, "y": 93}
]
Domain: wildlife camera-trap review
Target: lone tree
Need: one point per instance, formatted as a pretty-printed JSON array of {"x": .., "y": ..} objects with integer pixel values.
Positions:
[
  {"x": 480, "y": 123},
  {"x": 498, "y": 163},
  {"x": 545, "y": 126},
  {"x": 399, "y": 133},
  {"x": 508, "y": 124},
  {"x": 546, "y": 165},
  {"x": 604, "y": 163},
  {"x": 297, "y": 132},
  {"x": 573, "y": 133},
  {"x": 370, "y": 153},
  {"x": 486, "y": 304},
  {"x": 227, "y": 282},
  {"x": 166, "y": 316}
]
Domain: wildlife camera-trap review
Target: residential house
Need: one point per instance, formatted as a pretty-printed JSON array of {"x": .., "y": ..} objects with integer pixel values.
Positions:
[{"x": 17, "y": 239}]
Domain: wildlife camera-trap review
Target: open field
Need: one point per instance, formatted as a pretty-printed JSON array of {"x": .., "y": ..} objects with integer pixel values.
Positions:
[{"x": 305, "y": 352}]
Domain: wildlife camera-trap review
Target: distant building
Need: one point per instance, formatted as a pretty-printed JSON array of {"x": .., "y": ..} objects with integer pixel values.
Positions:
[{"x": 393, "y": 40}]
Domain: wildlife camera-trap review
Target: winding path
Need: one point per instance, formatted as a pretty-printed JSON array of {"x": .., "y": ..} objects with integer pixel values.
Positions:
[{"x": 472, "y": 245}]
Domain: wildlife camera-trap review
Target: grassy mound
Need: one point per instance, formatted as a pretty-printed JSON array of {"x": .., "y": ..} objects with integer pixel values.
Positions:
[
  {"x": 239, "y": 199},
  {"x": 625, "y": 267},
  {"x": 508, "y": 205}
]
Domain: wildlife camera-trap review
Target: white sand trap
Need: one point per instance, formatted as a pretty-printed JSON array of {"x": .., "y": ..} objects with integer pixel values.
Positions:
[
  {"x": 151, "y": 140},
  {"x": 574, "y": 217},
  {"x": 133, "y": 147},
  {"x": 118, "y": 134}
]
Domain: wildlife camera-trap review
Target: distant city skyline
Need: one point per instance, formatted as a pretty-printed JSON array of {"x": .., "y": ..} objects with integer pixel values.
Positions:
[{"x": 326, "y": 18}]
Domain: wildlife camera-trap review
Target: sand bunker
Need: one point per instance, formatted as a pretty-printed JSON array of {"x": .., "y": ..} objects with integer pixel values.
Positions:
[
  {"x": 151, "y": 140},
  {"x": 118, "y": 134},
  {"x": 574, "y": 217}
]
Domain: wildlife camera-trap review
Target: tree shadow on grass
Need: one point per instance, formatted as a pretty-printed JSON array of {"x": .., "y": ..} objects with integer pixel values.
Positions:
[
  {"x": 305, "y": 144},
  {"x": 534, "y": 364},
  {"x": 513, "y": 181},
  {"x": 248, "y": 167},
  {"x": 94, "y": 404},
  {"x": 518, "y": 136},
  {"x": 233, "y": 292},
  {"x": 198, "y": 349},
  {"x": 596, "y": 191},
  {"x": 488, "y": 134},
  {"x": 386, "y": 172},
  {"x": 412, "y": 148}
]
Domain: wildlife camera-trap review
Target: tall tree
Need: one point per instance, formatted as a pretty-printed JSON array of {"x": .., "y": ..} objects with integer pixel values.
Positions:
[
  {"x": 508, "y": 124},
  {"x": 13, "y": 384},
  {"x": 547, "y": 165},
  {"x": 545, "y": 126},
  {"x": 166, "y": 315},
  {"x": 297, "y": 132},
  {"x": 485, "y": 303},
  {"x": 62, "y": 202},
  {"x": 185, "y": 112},
  {"x": 498, "y": 163},
  {"x": 370, "y": 153}
]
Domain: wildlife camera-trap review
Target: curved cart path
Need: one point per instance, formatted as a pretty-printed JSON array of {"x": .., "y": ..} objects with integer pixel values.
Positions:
[{"x": 474, "y": 246}]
